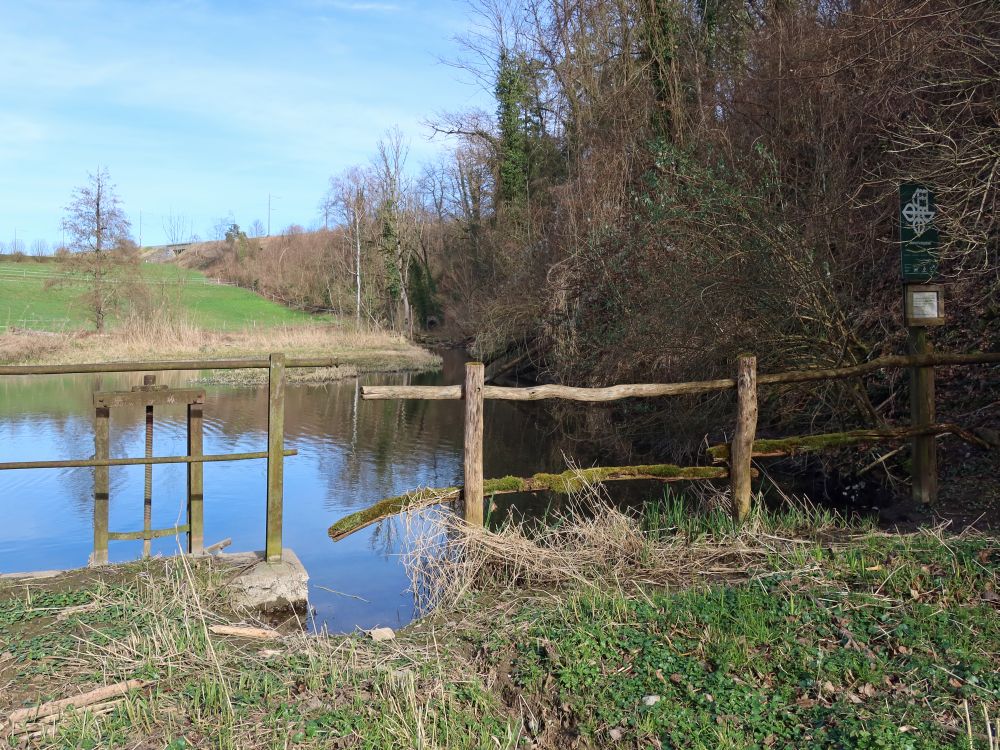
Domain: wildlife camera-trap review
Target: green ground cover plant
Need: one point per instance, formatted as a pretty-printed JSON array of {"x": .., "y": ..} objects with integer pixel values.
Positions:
[
  {"x": 29, "y": 299},
  {"x": 663, "y": 628}
]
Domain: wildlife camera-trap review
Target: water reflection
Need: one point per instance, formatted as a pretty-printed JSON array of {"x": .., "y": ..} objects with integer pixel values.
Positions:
[{"x": 350, "y": 453}]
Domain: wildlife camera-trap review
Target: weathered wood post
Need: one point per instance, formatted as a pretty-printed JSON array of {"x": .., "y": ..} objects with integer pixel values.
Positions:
[
  {"x": 472, "y": 489},
  {"x": 148, "y": 381},
  {"x": 195, "y": 479},
  {"x": 275, "y": 456},
  {"x": 741, "y": 450},
  {"x": 101, "y": 485},
  {"x": 924, "y": 481}
]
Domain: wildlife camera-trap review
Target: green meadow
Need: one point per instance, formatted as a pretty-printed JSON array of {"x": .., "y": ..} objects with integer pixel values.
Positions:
[{"x": 40, "y": 296}]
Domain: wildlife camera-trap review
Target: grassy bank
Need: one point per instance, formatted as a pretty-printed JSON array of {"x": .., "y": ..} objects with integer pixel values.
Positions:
[
  {"x": 619, "y": 631},
  {"x": 358, "y": 351},
  {"x": 183, "y": 316},
  {"x": 47, "y": 297}
]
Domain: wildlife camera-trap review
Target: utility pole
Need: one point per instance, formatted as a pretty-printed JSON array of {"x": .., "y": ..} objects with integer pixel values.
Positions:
[{"x": 269, "y": 209}]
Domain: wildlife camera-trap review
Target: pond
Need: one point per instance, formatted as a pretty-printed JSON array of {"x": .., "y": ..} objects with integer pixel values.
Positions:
[{"x": 351, "y": 453}]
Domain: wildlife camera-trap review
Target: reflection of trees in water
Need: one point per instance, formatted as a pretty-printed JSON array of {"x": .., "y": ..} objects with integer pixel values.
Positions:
[
  {"x": 387, "y": 537},
  {"x": 353, "y": 451}
]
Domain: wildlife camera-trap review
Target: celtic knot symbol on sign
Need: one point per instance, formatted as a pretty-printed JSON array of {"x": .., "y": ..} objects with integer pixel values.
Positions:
[{"x": 918, "y": 212}]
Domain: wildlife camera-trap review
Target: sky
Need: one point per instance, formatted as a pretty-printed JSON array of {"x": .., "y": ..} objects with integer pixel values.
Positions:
[{"x": 202, "y": 109}]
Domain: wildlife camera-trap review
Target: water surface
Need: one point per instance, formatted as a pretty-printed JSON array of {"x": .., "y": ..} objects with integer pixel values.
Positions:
[{"x": 351, "y": 453}]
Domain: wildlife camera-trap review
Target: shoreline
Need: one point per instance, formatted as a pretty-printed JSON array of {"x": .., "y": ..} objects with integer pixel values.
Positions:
[
  {"x": 806, "y": 633},
  {"x": 358, "y": 352}
]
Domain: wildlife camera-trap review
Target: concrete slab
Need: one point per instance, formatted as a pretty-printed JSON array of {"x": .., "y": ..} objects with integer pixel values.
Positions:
[
  {"x": 269, "y": 587},
  {"x": 273, "y": 588},
  {"x": 33, "y": 576}
]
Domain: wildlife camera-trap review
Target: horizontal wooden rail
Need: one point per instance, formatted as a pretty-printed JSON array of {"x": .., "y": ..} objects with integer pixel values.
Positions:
[
  {"x": 121, "y": 536},
  {"x": 261, "y": 363},
  {"x": 792, "y": 446},
  {"x": 934, "y": 359},
  {"x": 650, "y": 390},
  {"x": 84, "y": 462}
]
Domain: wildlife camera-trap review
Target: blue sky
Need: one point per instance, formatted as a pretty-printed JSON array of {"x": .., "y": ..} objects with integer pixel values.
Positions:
[{"x": 203, "y": 108}]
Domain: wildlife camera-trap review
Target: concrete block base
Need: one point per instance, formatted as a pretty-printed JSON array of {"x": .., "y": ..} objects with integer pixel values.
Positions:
[{"x": 269, "y": 587}]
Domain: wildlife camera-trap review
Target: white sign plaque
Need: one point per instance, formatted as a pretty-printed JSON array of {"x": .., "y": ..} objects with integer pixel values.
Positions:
[{"x": 925, "y": 304}]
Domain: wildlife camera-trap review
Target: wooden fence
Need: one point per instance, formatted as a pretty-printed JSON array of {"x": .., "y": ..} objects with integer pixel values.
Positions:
[
  {"x": 150, "y": 396},
  {"x": 738, "y": 454}
]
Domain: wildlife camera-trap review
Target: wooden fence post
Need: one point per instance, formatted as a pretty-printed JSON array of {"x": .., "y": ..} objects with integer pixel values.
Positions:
[
  {"x": 275, "y": 456},
  {"x": 924, "y": 471},
  {"x": 101, "y": 486},
  {"x": 741, "y": 450},
  {"x": 147, "y": 496},
  {"x": 472, "y": 489},
  {"x": 195, "y": 480}
]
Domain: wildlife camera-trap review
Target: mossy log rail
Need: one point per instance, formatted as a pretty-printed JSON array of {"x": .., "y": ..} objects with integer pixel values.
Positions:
[
  {"x": 562, "y": 484},
  {"x": 791, "y": 446},
  {"x": 652, "y": 390}
]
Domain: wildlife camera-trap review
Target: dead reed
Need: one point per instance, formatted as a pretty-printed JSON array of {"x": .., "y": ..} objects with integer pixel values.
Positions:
[
  {"x": 170, "y": 336},
  {"x": 595, "y": 544}
]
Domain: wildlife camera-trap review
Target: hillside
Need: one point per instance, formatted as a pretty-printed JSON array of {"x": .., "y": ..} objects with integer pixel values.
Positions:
[
  {"x": 40, "y": 296},
  {"x": 178, "y": 313}
]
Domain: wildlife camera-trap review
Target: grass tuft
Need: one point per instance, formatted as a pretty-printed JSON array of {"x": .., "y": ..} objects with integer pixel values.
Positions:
[{"x": 664, "y": 626}]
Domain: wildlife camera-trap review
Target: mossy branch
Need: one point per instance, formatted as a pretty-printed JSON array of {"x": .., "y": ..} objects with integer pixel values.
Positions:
[
  {"x": 792, "y": 446},
  {"x": 566, "y": 483}
]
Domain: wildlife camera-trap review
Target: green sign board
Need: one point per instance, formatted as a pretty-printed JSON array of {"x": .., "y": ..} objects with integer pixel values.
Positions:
[{"x": 918, "y": 236}]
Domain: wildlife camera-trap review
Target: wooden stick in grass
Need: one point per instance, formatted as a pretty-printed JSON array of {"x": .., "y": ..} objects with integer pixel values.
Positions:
[
  {"x": 241, "y": 631},
  {"x": 89, "y": 698}
]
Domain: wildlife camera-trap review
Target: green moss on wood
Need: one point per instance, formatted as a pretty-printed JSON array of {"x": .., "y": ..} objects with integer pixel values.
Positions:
[
  {"x": 575, "y": 480},
  {"x": 390, "y": 506},
  {"x": 791, "y": 446},
  {"x": 565, "y": 483},
  {"x": 503, "y": 484}
]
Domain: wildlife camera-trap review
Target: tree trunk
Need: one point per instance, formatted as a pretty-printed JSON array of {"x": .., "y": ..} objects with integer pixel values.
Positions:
[
  {"x": 404, "y": 295},
  {"x": 357, "y": 267}
]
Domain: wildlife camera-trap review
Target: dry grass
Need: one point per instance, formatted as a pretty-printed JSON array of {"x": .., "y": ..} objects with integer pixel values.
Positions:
[
  {"x": 152, "y": 621},
  {"x": 170, "y": 337},
  {"x": 594, "y": 544},
  {"x": 435, "y": 686}
]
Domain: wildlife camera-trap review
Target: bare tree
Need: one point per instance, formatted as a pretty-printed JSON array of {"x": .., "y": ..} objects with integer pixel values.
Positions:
[
  {"x": 390, "y": 165},
  {"x": 94, "y": 219},
  {"x": 177, "y": 228},
  {"x": 98, "y": 230},
  {"x": 347, "y": 197},
  {"x": 110, "y": 277},
  {"x": 39, "y": 248},
  {"x": 257, "y": 228},
  {"x": 222, "y": 225}
]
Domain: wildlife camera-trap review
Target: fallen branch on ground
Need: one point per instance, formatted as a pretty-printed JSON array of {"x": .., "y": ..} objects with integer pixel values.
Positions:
[
  {"x": 218, "y": 546},
  {"x": 53, "y": 708},
  {"x": 48, "y": 726},
  {"x": 264, "y": 634},
  {"x": 566, "y": 483}
]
